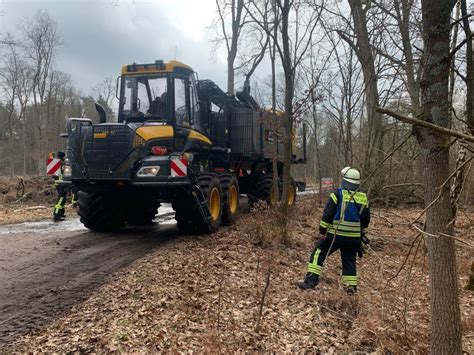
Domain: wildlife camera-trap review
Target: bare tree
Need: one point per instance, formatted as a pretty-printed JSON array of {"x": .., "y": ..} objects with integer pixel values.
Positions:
[
  {"x": 444, "y": 301},
  {"x": 10, "y": 73},
  {"x": 42, "y": 40},
  {"x": 296, "y": 27},
  {"x": 234, "y": 9},
  {"x": 25, "y": 89},
  {"x": 363, "y": 49}
]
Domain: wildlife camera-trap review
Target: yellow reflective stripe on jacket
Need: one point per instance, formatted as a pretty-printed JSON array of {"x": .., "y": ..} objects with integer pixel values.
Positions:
[
  {"x": 333, "y": 197},
  {"x": 344, "y": 229},
  {"x": 342, "y": 233},
  {"x": 346, "y": 223},
  {"x": 324, "y": 224},
  {"x": 357, "y": 197}
]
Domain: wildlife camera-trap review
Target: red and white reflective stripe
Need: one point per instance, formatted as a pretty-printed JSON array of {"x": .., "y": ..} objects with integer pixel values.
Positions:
[
  {"x": 53, "y": 166},
  {"x": 179, "y": 167}
]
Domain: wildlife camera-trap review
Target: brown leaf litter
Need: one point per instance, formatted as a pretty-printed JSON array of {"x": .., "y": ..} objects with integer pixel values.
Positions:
[{"x": 203, "y": 294}]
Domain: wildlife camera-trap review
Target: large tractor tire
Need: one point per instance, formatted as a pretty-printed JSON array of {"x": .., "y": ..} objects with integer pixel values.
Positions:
[
  {"x": 188, "y": 216},
  {"x": 263, "y": 191},
  {"x": 100, "y": 212},
  {"x": 141, "y": 213},
  {"x": 292, "y": 193},
  {"x": 231, "y": 195}
]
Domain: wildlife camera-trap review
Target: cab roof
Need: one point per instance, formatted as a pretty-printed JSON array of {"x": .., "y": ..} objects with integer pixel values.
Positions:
[{"x": 159, "y": 67}]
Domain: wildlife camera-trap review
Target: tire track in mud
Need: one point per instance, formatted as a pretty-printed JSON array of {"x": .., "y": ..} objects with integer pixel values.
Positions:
[
  {"x": 44, "y": 275},
  {"x": 46, "y": 268}
]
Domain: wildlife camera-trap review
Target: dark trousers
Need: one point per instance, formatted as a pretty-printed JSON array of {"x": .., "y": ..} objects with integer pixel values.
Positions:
[
  {"x": 349, "y": 247},
  {"x": 74, "y": 191}
]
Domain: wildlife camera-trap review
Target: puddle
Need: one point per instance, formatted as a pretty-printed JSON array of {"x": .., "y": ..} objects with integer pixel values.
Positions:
[{"x": 73, "y": 224}]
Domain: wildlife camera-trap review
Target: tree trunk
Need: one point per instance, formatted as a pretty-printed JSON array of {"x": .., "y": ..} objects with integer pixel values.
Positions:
[
  {"x": 364, "y": 54},
  {"x": 469, "y": 69},
  {"x": 230, "y": 71},
  {"x": 452, "y": 76},
  {"x": 444, "y": 302},
  {"x": 289, "y": 93},
  {"x": 316, "y": 144},
  {"x": 403, "y": 20},
  {"x": 232, "y": 52},
  {"x": 276, "y": 178},
  {"x": 24, "y": 147},
  {"x": 12, "y": 164}
]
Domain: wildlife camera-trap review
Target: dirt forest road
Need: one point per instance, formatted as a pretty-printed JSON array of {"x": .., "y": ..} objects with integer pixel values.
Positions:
[{"x": 45, "y": 268}]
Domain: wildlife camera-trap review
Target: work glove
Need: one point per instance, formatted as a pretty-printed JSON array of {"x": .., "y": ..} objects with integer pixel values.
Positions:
[{"x": 363, "y": 246}]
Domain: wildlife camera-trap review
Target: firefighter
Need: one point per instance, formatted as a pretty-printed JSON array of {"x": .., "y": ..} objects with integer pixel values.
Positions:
[
  {"x": 59, "y": 211},
  {"x": 345, "y": 219}
]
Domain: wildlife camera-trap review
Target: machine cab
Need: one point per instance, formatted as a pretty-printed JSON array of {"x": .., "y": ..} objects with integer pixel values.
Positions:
[{"x": 163, "y": 92}]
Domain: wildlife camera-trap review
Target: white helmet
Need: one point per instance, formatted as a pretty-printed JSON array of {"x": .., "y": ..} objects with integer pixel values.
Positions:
[{"x": 351, "y": 175}]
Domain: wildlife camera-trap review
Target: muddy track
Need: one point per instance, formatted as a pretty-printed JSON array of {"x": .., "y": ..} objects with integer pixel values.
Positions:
[
  {"x": 46, "y": 267},
  {"x": 46, "y": 271}
]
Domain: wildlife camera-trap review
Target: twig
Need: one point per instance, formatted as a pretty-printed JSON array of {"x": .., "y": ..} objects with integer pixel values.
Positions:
[
  {"x": 256, "y": 273},
  {"x": 404, "y": 261},
  {"x": 386, "y": 219},
  {"x": 441, "y": 189},
  {"x": 455, "y": 205},
  {"x": 442, "y": 235},
  {"x": 30, "y": 208},
  {"x": 21, "y": 198},
  {"x": 262, "y": 301},
  {"x": 400, "y": 185},
  {"x": 386, "y": 158},
  {"x": 219, "y": 300}
]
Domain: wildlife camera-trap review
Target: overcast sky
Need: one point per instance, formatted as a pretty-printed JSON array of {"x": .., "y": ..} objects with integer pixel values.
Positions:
[{"x": 101, "y": 35}]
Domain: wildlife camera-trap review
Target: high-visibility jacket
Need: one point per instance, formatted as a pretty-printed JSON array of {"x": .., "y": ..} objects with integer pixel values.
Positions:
[{"x": 346, "y": 214}]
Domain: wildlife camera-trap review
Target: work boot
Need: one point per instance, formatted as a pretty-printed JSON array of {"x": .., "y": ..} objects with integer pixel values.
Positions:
[
  {"x": 351, "y": 289},
  {"x": 58, "y": 218},
  {"x": 310, "y": 282}
]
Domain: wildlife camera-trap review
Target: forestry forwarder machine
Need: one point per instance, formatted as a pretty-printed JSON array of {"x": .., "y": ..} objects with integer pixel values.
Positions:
[{"x": 178, "y": 139}]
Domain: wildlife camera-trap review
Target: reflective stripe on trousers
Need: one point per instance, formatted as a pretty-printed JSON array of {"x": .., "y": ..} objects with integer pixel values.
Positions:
[{"x": 348, "y": 247}]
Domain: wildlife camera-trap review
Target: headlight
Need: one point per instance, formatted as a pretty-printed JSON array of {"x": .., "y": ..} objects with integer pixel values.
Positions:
[
  {"x": 67, "y": 170},
  {"x": 148, "y": 171}
]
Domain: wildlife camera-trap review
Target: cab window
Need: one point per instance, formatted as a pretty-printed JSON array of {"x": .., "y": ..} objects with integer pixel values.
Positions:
[
  {"x": 195, "y": 110},
  {"x": 180, "y": 107}
]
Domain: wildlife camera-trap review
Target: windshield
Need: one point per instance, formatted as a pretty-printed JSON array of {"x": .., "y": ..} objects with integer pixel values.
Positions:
[{"x": 145, "y": 96}]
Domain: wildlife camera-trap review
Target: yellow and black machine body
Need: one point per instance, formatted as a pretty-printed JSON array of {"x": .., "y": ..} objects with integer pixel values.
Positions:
[{"x": 177, "y": 139}]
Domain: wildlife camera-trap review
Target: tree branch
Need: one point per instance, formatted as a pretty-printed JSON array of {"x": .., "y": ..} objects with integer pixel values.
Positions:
[
  {"x": 459, "y": 46},
  {"x": 433, "y": 127}
]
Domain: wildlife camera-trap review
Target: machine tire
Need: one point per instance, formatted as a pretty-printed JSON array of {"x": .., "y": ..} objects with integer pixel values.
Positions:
[
  {"x": 185, "y": 221},
  {"x": 100, "y": 212},
  {"x": 210, "y": 183},
  {"x": 189, "y": 219},
  {"x": 230, "y": 192},
  {"x": 262, "y": 190},
  {"x": 293, "y": 189},
  {"x": 142, "y": 216}
]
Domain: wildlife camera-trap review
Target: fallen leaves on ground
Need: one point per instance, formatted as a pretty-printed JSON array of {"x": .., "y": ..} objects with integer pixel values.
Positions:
[{"x": 204, "y": 294}]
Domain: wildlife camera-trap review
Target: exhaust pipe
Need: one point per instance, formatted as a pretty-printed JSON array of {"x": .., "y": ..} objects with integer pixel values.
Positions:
[{"x": 101, "y": 112}]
